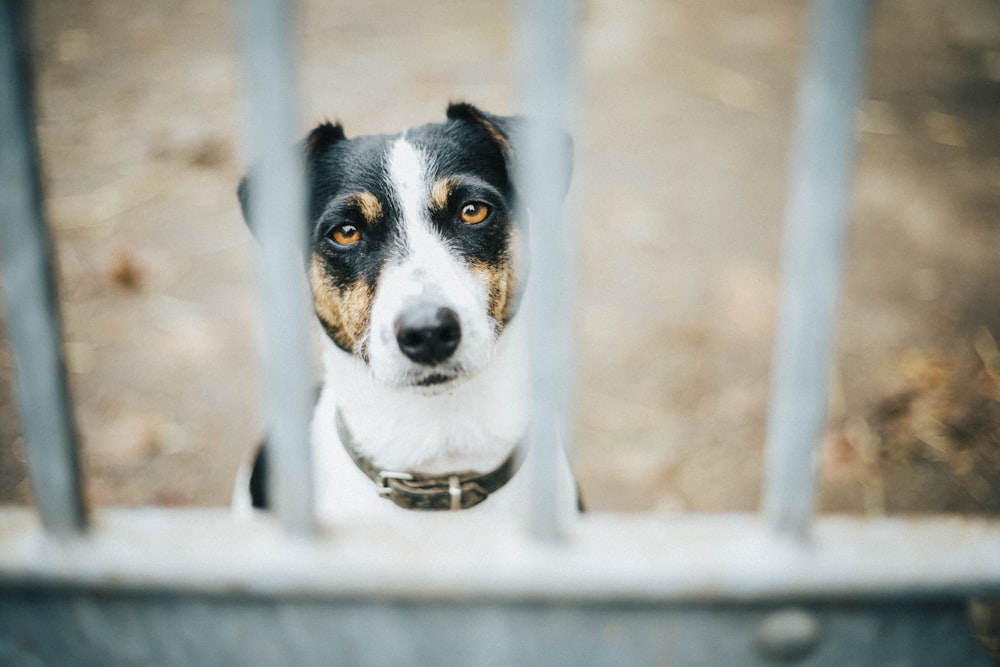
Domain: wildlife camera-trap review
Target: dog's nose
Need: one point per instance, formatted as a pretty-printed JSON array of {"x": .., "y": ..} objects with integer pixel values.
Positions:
[{"x": 428, "y": 335}]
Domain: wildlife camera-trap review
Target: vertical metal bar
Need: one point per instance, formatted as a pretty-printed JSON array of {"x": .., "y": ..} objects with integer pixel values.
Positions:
[
  {"x": 547, "y": 33},
  {"x": 815, "y": 223},
  {"x": 277, "y": 207},
  {"x": 32, "y": 306}
]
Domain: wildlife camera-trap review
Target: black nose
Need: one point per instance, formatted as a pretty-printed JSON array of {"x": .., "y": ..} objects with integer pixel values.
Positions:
[{"x": 428, "y": 335}]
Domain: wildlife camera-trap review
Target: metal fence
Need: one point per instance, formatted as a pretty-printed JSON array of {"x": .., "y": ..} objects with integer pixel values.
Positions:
[{"x": 192, "y": 586}]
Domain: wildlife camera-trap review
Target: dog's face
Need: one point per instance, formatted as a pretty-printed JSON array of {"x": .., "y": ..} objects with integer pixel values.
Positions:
[{"x": 415, "y": 255}]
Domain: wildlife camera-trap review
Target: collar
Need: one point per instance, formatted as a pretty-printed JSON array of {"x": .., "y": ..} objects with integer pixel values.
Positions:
[{"x": 418, "y": 491}]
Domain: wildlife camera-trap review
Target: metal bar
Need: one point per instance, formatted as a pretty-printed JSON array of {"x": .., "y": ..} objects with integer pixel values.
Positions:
[
  {"x": 815, "y": 223},
  {"x": 277, "y": 208},
  {"x": 612, "y": 558},
  {"x": 548, "y": 35},
  {"x": 30, "y": 300}
]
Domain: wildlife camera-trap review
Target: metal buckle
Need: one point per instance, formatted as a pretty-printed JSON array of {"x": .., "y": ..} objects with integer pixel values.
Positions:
[
  {"x": 455, "y": 491},
  {"x": 382, "y": 480}
]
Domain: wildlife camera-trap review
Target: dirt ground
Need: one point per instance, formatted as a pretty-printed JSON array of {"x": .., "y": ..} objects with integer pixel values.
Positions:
[{"x": 682, "y": 140}]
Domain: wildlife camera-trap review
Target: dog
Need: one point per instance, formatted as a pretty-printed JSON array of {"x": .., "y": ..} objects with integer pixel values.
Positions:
[{"x": 417, "y": 266}]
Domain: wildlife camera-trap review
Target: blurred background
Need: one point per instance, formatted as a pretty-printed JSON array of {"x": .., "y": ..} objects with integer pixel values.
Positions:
[{"x": 682, "y": 138}]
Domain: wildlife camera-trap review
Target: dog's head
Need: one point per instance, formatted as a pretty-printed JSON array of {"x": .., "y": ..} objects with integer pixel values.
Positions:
[{"x": 416, "y": 257}]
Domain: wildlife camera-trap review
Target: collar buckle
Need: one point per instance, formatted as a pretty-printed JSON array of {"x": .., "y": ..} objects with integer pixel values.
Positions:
[{"x": 382, "y": 478}]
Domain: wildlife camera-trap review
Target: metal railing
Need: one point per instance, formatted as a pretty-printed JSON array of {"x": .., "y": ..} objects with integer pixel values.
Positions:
[
  {"x": 33, "y": 324},
  {"x": 815, "y": 224},
  {"x": 193, "y": 586}
]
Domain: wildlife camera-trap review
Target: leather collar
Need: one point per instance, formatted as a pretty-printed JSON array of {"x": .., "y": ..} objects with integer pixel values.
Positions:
[{"x": 417, "y": 491}]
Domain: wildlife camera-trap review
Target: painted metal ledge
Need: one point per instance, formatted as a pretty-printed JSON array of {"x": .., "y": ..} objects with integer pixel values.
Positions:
[{"x": 642, "y": 558}]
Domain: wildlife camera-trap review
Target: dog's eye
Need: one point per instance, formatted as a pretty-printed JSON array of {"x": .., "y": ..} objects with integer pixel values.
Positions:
[
  {"x": 345, "y": 235},
  {"x": 474, "y": 212}
]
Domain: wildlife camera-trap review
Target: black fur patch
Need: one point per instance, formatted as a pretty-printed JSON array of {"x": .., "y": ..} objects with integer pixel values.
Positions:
[{"x": 259, "y": 479}]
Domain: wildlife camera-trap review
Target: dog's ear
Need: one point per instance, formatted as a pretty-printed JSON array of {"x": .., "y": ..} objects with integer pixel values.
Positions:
[
  {"x": 508, "y": 133},
  {"x": 498, "y": 128},
  {"x": 314, "y": 146},
  {"x": 323, "y": 136}
]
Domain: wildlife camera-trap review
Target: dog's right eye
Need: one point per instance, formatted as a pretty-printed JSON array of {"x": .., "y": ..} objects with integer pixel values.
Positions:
[
  {"x": 345, "y": 235},
  {"x": 474, "y": 212}
]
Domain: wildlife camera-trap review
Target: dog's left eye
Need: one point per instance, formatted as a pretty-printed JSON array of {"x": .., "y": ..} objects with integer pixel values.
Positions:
[
  {"x": 474, "y": 212},
  {"x": 345, "y": 235}
]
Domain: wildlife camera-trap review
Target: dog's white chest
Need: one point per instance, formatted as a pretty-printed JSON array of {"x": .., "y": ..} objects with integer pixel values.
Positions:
[{"x": 468, "y": 429}]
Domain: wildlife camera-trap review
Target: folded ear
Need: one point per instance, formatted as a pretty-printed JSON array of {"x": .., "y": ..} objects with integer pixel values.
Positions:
[
  {"x": 314, "y": 147},
  {"x": 510, "y": 133},
  {"x": 499, "y": 128}
]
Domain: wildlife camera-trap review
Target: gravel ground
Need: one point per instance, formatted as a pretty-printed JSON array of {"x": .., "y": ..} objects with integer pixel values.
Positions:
[{"x": 682, "y": 141}]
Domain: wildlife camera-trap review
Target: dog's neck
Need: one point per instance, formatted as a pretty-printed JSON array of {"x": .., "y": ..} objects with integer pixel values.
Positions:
[{"x": 473, "y": 424}]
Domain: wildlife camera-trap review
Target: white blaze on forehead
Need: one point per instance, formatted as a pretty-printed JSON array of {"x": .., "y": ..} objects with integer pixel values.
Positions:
[
  {"x": 427, "y": 262},
  {"x": 408, "y": 178}
]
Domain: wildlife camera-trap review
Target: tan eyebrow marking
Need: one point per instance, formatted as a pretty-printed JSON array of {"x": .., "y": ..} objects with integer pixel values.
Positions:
[
  {"x": 441, "y": 192},
  {"x": 369, "y": 206}
]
